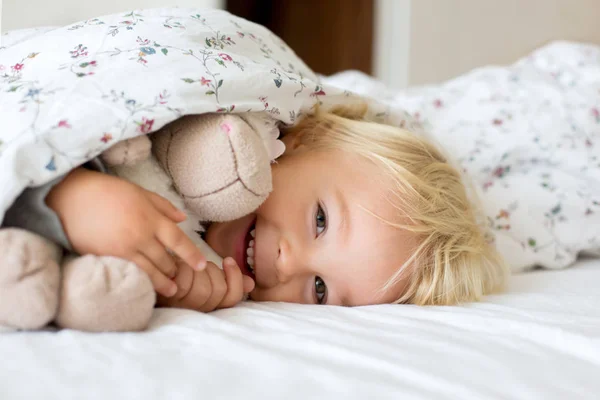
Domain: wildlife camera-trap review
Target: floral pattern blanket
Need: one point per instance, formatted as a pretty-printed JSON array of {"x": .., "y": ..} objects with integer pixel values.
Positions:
[
  {"x": 68, "y": 93},
  {"x": 527, "y": 135}
]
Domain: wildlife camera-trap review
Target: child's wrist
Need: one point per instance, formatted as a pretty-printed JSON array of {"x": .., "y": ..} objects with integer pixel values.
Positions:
[{"x": 58, "y": 196}]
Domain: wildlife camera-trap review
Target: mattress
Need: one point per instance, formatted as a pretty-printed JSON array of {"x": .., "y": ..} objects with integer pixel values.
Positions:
[{"x": 539, "y": 340}]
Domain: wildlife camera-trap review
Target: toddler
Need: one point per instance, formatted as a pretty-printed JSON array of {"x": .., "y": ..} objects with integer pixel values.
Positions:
[{"x": 361, "y": 213}]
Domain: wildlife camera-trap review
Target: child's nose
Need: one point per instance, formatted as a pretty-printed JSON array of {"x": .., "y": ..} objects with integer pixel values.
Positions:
[{"x": 288, "y": 263}]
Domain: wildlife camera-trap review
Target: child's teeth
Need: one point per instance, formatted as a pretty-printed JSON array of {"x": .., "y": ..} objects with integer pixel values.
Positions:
[
  {"x": 250, "y": 261},
  {"x": 250, "y": 252},
  {"x": 251, "y": 243},
  {"x": 253, "y": 232}
]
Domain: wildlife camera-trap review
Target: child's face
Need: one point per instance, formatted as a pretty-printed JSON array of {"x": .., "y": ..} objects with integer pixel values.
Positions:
[{"x": 314, "y": 243}]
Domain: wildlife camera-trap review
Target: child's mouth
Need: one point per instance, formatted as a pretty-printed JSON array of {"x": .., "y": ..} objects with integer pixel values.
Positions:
[
  {"x": 246, "y": 259},
  {"x": 250, "y": 249}
]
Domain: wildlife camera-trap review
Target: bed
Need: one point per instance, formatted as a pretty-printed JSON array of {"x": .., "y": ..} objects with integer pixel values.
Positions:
[{"x": 539, "y": 339}]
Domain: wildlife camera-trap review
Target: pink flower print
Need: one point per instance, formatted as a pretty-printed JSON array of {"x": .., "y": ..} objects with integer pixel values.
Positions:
[
  {"x": 18, "y": 67},
  {"x": 595, "y": 113},
  {"x": 2, "y": 67},
  {"x": 487, "y": 185},
  {"x": 499, "y": 172},
  {"x": 503, "y": 214},
  {"x": 93, "y": 63},
  {"x": 79, "y": 51},
  {"x": 107, "y": 137},
  {"x": 63, "y": 123},
  {"x": 163, "y": 97},
  {"x": 497, "y": 121},
  {"x": 437, "y": 103},
  {"x": 240, "y": 34},
  {"x": 225, "y": 57},
  {"x": 318, "y": 92},
  {"x": 142, "y": 42},
  {"x": 263, "y": 99},
  {"x": 204, "y": 81},
  {"x": 226, "y": 109},
  {"x": 146, "y": 125}
]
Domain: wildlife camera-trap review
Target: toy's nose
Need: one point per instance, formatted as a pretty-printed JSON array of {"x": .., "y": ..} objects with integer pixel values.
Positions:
[
  {"x": 253, "y": 165},
  {"x": 218, "y": 164}
]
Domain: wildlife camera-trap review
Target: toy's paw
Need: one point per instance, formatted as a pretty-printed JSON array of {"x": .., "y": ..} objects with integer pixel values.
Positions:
[
  {"x": 29, "y": 279},
  {"x": 219, "y": 165},
  {"x": 104, "y": 294},
  {"x": 128, "y": 152}
]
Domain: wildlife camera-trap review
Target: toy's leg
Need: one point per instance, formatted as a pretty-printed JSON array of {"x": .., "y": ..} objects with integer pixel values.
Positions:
[
  {"x": 104, "y": 294},
  {"x": 128, "y": 152},
  {"x": 29, "y": 279}
]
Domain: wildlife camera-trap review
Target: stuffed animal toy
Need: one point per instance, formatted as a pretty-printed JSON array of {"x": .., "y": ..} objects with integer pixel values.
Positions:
[{"x": 215, "y": 167}]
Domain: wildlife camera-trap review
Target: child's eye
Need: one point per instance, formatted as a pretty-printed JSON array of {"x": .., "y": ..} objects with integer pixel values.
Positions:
[
  {"x": 321, "y": 220},
  {"x": 320, "y": 290}
]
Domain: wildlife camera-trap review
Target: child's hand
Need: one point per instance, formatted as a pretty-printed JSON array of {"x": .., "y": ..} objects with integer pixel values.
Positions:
[
  {"x": 106, "y": 215},
  {"x": 210, "y": 289}
]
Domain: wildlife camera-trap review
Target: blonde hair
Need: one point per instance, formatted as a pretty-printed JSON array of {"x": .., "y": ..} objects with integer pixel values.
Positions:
[{"x": 453, "y": 261}]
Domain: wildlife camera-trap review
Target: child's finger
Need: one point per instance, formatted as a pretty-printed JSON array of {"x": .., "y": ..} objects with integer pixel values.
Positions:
[
  {"x": 166, "y": 208},
  {"x": 160, "y": 282},
  {"x": 235, "y": 284},
  {"x": 160, "y": 257},
  {"x": 249, "y": 284},
  {"x": 218, "y": 286},
  {"x": 174, "y": 239}
]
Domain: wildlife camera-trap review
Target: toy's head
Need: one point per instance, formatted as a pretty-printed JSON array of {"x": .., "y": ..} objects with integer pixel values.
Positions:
[{"x": 218, "y": 163}]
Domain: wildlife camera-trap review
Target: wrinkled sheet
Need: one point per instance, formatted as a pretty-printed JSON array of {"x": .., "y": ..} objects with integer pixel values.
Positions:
[{"x": 540, "y": 340}]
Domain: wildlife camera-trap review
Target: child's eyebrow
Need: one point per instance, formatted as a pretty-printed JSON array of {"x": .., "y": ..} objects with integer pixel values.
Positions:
[{"x": 343, "y": 226}]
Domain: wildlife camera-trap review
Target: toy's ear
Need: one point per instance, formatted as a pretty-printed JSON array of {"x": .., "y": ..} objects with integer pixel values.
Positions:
[{"x": 218, "y": 164}]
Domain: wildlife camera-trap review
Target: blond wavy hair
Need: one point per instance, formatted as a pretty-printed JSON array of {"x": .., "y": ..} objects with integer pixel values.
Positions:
[{"x": 454, "y": 261}]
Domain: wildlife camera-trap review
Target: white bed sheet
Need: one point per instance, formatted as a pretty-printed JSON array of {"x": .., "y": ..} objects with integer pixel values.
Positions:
[{"x": 540, "y": 340}]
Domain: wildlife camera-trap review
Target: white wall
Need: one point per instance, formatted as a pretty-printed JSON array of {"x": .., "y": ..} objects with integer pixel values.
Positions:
[
  {"x": 392, "y": 41},
  {"x": 16, "y": 14},
  {"x": 425, "y": 41}
]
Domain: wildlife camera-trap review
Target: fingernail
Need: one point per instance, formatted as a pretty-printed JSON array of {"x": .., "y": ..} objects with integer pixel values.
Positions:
[
  {"x": 230, "y": 262},
  {"x": 201, "y": 265},
  {"x": 172, "y": 290}
]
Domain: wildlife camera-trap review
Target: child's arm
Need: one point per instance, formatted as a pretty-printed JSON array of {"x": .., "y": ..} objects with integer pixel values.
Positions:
[
  {"x": 209, "y": 290},
  {"x": 106, "y": 215},
  {"x": 30, "y": 212}
]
